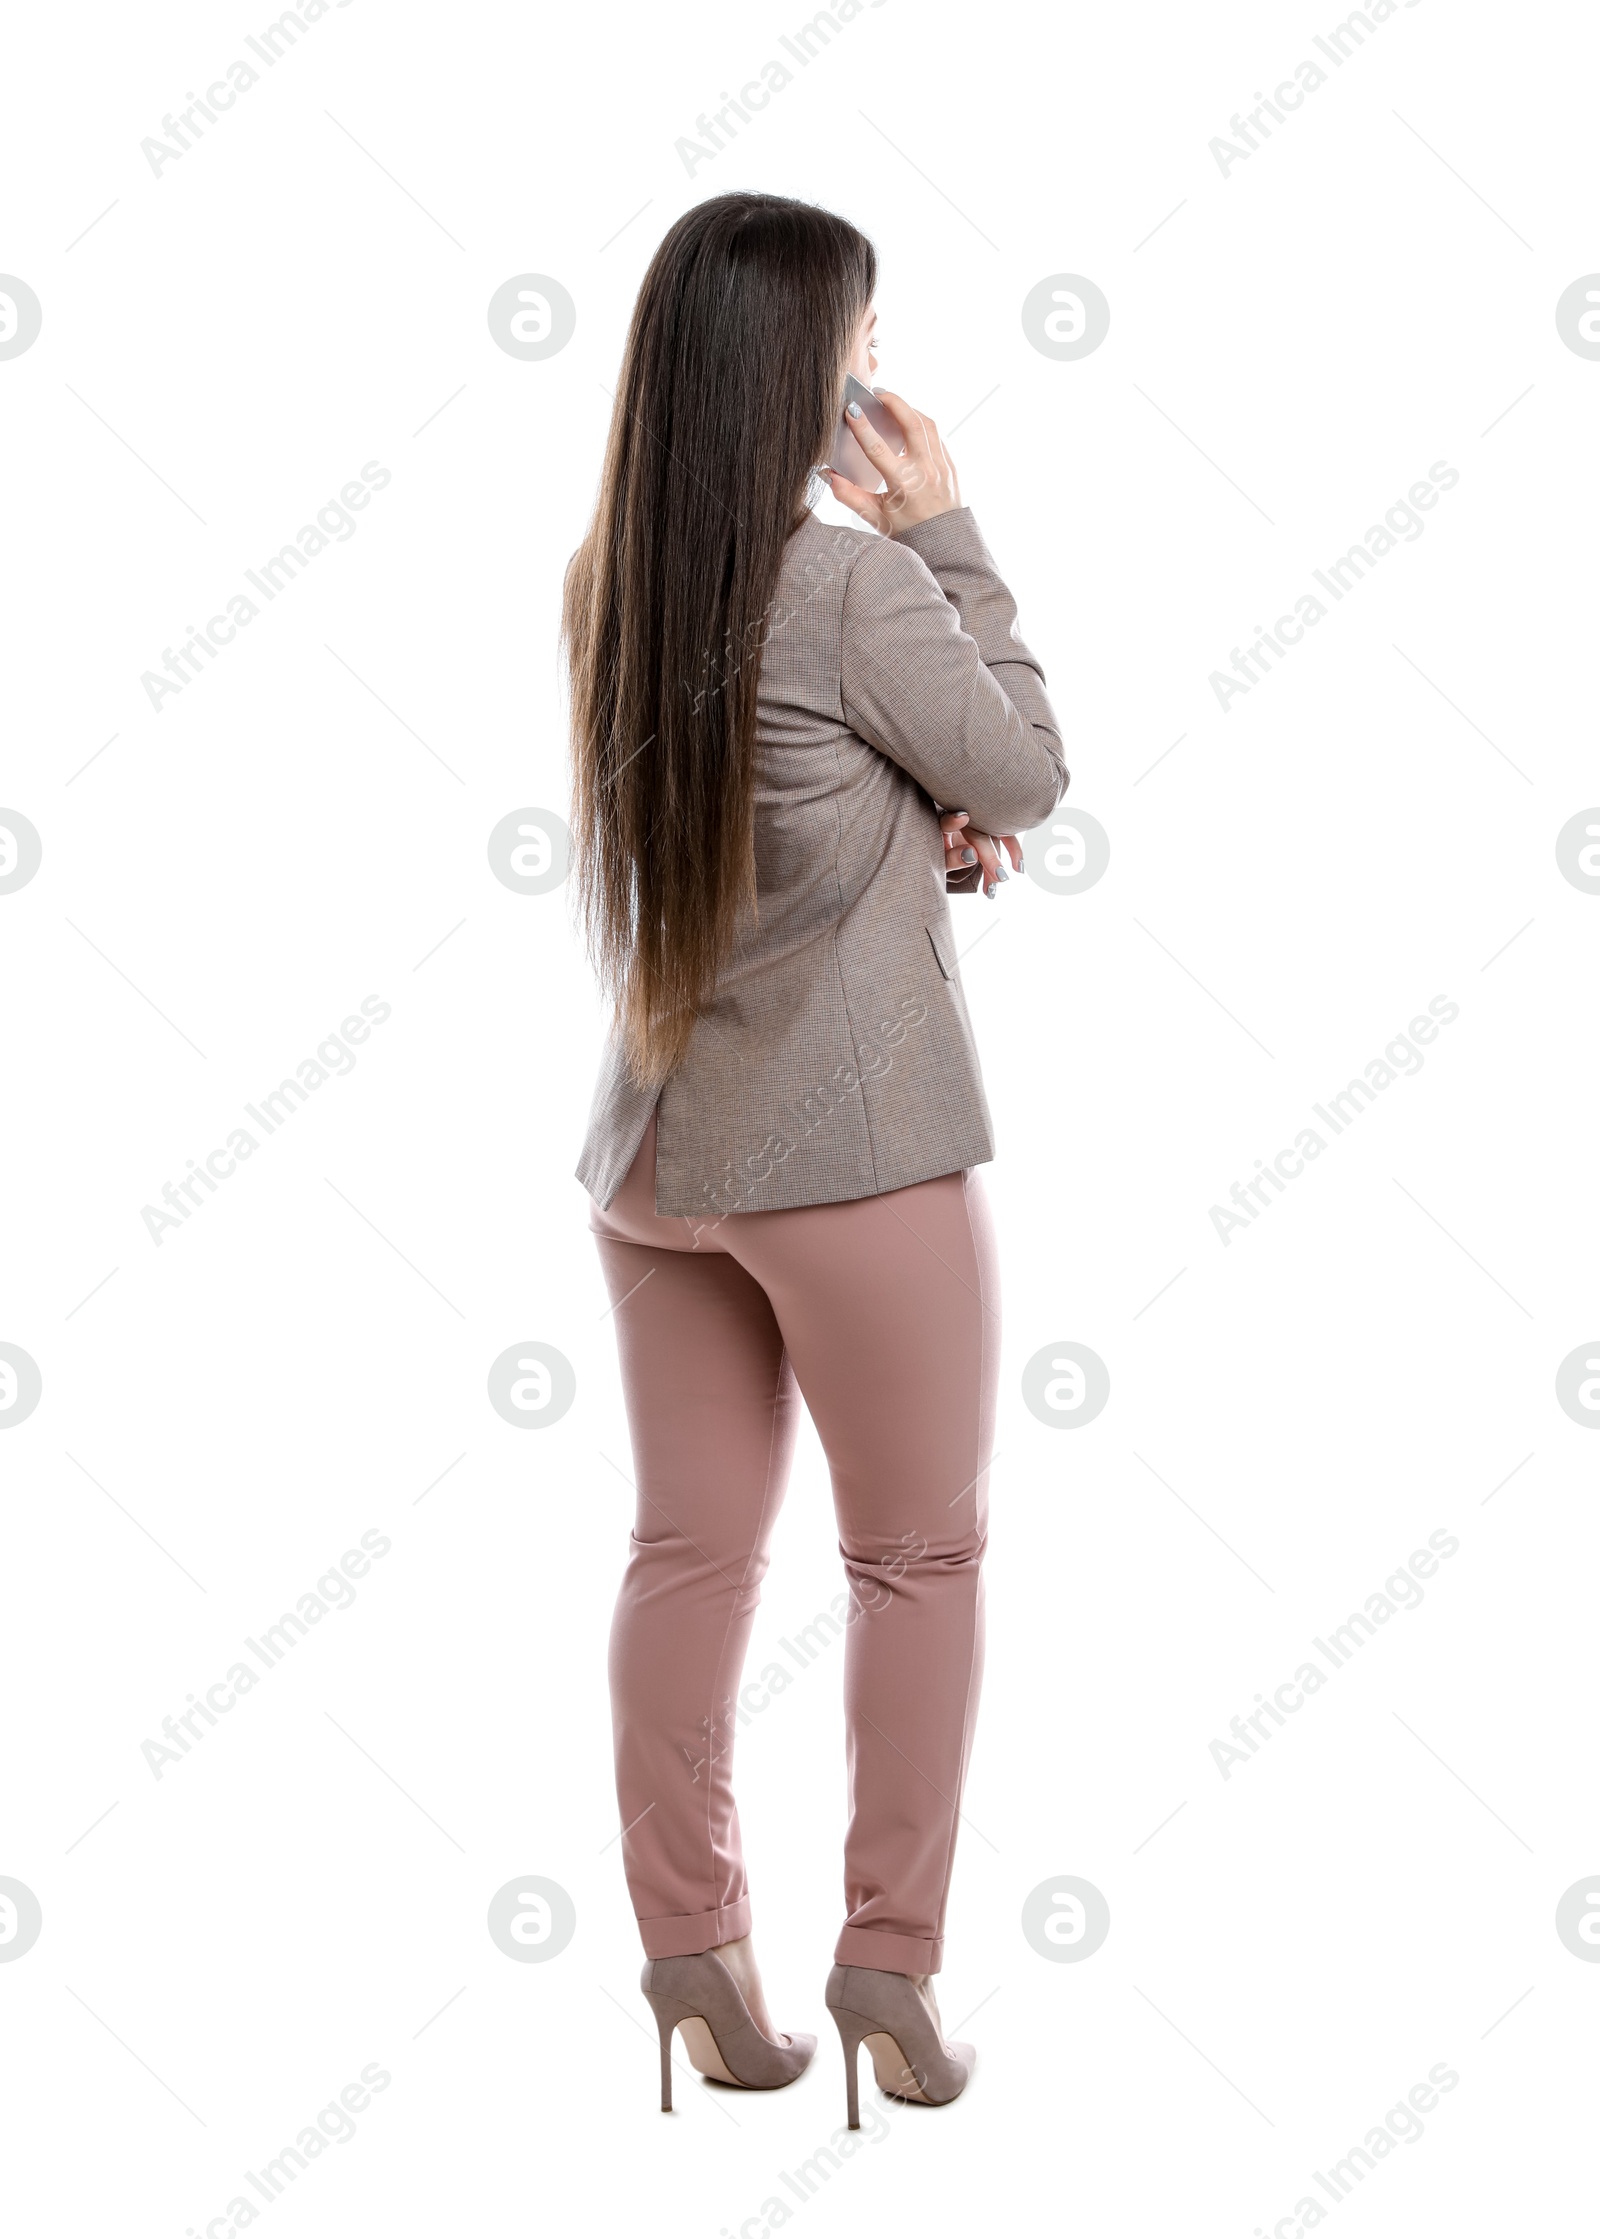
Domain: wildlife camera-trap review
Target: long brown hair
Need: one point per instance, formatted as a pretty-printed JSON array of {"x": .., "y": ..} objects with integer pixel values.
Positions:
[{"x": 730, "y": 384}]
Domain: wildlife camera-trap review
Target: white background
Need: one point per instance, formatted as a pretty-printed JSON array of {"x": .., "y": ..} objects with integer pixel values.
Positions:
[{"x": 1374, "y": 1892}]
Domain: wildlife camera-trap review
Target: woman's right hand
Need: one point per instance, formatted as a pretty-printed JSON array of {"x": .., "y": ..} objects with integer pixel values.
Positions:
[{"x": 921, "y": 480}]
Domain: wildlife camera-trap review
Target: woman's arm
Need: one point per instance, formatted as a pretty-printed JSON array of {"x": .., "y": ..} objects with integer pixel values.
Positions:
[
  {"x": 935, "y": 674},
  {"x": 934, "y": 671}
]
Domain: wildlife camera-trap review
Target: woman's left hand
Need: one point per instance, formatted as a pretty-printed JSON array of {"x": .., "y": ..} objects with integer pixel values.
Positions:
[{"x": 964, "y": 844}]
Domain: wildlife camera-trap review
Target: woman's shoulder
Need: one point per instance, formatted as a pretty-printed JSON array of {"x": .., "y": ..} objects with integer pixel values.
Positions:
[
  {"x": 832, "y": 547},
  {"x": 825, "y": 555}
]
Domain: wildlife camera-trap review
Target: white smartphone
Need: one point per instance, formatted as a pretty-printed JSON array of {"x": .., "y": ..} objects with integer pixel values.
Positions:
[{"x": 847, "y": 457}]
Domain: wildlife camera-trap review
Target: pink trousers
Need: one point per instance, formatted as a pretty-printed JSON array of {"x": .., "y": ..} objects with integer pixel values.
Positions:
[{"x": 882, "y": 1314}]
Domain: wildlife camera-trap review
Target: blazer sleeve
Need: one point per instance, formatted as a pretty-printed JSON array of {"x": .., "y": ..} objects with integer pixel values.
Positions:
[{"x": 934, "y": 674}]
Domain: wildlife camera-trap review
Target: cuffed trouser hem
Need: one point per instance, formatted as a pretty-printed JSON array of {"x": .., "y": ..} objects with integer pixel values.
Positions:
[
  {"x": 895, "y": 1955},
  {"x": 681, "y": 1935}
]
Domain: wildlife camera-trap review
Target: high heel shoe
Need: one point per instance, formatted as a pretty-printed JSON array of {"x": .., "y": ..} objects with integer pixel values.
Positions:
[
  {"x": 910, "y": 2056},
  {"x": 698, "y": 1995}
]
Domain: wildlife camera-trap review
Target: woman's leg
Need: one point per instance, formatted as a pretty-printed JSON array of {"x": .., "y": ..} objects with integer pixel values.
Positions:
[
  {"x": 889, "y": 1308},
  {"x": 712, "y": 1409}
]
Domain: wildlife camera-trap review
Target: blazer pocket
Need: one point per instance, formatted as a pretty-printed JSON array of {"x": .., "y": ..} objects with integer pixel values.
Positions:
[{"x": 944, "y": 948}]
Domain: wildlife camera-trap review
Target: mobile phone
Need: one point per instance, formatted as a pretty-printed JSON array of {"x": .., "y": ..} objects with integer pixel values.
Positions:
[{"x": 847, "y": 457}]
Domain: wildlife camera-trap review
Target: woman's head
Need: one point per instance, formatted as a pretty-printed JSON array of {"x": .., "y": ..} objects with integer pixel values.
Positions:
[{"x": 751, "y": 311}]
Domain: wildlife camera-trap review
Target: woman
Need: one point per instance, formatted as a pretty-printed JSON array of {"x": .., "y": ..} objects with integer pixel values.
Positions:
[{"x": 769, "y": 716}]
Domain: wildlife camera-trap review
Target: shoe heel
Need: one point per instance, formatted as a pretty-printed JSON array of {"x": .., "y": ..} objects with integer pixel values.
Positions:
[
  {"x": 873, "y": 2003},
  {"x": 697, "y": 1987},
  {"x": 851, "y": 2031},
  {"x": 668, "y": 2012}
]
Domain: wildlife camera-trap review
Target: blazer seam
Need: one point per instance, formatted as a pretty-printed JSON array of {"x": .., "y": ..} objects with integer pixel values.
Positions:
[
  {"x": 855, "y": 1052},
  {"x": 838, "y": 825},
  {"x": 844, "y": 992},
  {"x": 856, "y": 558}
]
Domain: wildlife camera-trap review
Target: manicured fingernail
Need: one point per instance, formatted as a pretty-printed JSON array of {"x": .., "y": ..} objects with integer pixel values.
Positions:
[
  {"x": 1002, "y": 873},
  {"x": 991, "y": 890},
  {"x": 969, "y": 855},
  {"x": 853, "y": 411}
]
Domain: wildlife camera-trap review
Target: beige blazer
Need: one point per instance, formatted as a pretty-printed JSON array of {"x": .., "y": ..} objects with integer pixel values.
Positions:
[{"x": 836, "y": 1058}]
